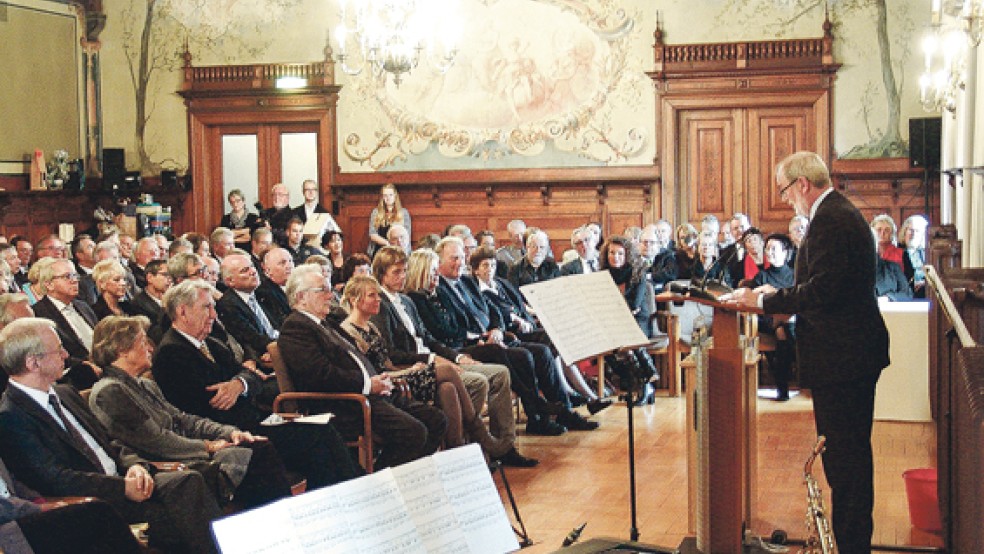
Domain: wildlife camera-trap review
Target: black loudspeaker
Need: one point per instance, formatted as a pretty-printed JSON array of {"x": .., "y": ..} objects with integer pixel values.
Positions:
[
  {"x": 169, "y": 179},
  {"x": 76, "y": 175},
  {"x": 924, "y": 142},
  {"x": 114, "y": 168}
]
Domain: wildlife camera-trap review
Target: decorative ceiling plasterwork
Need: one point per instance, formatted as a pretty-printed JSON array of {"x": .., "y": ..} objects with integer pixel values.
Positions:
[{"x": 529, "y": 74}]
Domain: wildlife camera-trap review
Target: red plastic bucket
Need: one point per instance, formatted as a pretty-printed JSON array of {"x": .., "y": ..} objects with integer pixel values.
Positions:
[{"x": 924, "y": 506}]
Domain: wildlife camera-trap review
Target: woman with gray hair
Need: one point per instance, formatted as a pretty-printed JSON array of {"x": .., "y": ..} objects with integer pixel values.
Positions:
[
  {"x": 887, "y": 233},
  {"x": 239, "y": 220},
  {"x": 235, "y": 463},
  {"x": 110, "y": 279}
]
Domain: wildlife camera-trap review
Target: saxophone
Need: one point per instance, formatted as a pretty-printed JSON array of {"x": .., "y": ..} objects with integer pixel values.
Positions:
[{"x": 820, "y": 539}]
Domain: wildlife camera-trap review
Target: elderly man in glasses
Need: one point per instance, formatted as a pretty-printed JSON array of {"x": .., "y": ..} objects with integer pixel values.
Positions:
[{"x": 73, "y": 318}]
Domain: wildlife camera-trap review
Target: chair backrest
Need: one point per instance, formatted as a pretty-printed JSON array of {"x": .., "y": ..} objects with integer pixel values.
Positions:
[{"x": 284, "y": 381}]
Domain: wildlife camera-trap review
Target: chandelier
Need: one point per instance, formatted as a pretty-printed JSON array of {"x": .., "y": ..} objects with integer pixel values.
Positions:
[
  {"x": 955, "y": 26},
  {"x": 391, "y": 36}
]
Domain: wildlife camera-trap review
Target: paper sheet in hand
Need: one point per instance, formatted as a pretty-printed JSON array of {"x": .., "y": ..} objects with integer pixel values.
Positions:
[
  {"x": 585, "y": 315},
  {"x": 445, "y": 503},
  {"x": 316, "y": 225}
]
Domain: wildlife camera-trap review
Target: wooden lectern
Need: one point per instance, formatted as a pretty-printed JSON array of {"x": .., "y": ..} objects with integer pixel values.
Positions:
[{"x": 724, "y": 398}]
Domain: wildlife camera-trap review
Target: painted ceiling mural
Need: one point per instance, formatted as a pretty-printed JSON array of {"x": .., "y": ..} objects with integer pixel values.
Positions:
[
  {"x": 540, "y": 81},
  {"x": 536, "y": 83}
]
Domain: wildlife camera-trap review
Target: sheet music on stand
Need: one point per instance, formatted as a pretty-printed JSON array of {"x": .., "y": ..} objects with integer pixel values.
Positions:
[
  {"x": 444, "y": 503},
  {"x": 585, "y": 315}
]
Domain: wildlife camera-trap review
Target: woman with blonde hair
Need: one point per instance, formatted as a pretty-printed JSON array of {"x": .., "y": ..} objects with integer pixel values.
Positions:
[
  {"x": 110, "y": 279},
  {"x": 430, "y": 383},
  {"x": 388, "y": 212}
]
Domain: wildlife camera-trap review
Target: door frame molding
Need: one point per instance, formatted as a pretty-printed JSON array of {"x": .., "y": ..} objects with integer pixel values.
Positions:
[
  {"x": 737, "y": 75},
  {"x": 218, "y": 96}
]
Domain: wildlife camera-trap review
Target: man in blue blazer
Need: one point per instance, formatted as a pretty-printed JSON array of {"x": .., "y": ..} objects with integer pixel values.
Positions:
[{"x": 841, "y": 338}]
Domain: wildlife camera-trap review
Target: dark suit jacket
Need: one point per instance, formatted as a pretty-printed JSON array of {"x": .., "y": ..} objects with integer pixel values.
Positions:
[
  {"x": 139, "y": 275},
  {"x": 88, "y": 292},
  {"x": 523, "y": 273},
  {"x": 447, "y": 325},
  {"x": 274, "y": 302},
  {"x": 45, "y": 457},
  {"x": 664, "y": 269},
  {"x": 182, "y": 372},
  {"x": 320, "y": 358},
  {"x": 573, "y": 267},
  {"x": 480, "y": 316},
  {"x": 143, "y": 304},
  {"x": 509, "y": 301},
  {"x": 80, "y": 375},
  {"x": 840, "y": 334},
  {"x": 400, "y": 341},
  {"x": 242, "y": 324}
]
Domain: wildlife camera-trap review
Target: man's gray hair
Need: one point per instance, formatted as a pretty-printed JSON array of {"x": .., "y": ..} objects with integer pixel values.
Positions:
[
  {"x": 184, "y": 293},
  {"x": 394, "y": 227},
  {"x": 139, "y": 243},
  {"x": 538, "y": 233},
  {"x": 804, "y": 164},
  {"x": 297, "y": 282},
  {"x": 447, "y": 241},
  {"x": 20, "y": 339},
  {"x": 220, "y": 233},
  {"x": 177, "y": 265},
  {"x": 106, "y": 246},
  {"x": 6, "y": 301}
]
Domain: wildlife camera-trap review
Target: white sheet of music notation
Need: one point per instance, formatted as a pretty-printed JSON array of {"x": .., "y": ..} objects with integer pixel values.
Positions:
[
  {"x": 445, "y": 504},
  {"x": 584, "y": 315}
]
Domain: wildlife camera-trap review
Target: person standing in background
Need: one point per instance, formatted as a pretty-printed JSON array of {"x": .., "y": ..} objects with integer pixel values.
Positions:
[{"x": 388, "y": 212}]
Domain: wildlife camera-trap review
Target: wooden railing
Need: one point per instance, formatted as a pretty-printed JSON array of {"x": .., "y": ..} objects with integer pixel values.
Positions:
[{"x": 256, "y": 76}]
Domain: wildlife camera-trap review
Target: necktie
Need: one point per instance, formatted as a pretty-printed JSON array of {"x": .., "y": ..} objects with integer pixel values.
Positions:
[
  {"x": 205, "y": 352},
  {"x": 261, "y": 318},
  {"x": 77, "y": 437},
  {"x": 81, "y": 327},
  {"x": 592, "y": 265},
  {"x": 473, "y": 311}
]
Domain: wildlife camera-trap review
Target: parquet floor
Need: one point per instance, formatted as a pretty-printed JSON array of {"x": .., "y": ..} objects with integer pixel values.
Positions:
[{"x": 583, "y": 476}]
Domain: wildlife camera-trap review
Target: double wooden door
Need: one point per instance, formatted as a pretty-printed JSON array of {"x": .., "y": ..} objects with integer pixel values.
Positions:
[{"x": 726, "y": 158}]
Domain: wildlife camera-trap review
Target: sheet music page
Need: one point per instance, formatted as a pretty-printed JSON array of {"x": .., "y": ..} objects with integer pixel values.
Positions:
[
  {"x": 584, "y": 315},
  {"x": 475, "y": 500},
  {"x": 377, "y": 516},
  {"x": 429, "y": 507},
  {"x": 315, "y": 225}
]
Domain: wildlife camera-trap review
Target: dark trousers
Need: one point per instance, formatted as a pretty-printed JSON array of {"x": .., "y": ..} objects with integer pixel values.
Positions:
[
  {"x": 403, "y": 429},
  {"x": 266, "y": 477},
  {"x": 89, "y": 527},
  {"x": 844, "y": 414},
  {"x": 178, "y": 512},
  {"x": 316, "y": 451}
]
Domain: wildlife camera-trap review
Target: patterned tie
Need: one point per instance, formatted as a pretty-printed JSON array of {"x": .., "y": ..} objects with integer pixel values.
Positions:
[
  {"x": 77, "y": 437},
  {"x": 261, "y": 317},
  {"x": 205, "y": 352},
  {"x": 474, "y": 312}
]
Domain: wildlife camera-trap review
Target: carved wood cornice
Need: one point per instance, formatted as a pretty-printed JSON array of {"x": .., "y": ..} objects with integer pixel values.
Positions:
[{"x": 786, "y": 63}]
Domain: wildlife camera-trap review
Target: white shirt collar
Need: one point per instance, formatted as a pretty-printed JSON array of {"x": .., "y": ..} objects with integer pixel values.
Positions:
[
  {"x": 313, "y": 317},
  {"x": 816, "y": 203},
  {"x": 58, "y": 303},
  {"x": 39, "y": 396},
  {"x": 194, "y": 342},
  {"x": 244, "y": 295}
]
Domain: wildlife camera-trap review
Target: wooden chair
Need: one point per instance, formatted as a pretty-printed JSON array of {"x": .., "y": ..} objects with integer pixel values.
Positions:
[{"x": 286, "y": 404}]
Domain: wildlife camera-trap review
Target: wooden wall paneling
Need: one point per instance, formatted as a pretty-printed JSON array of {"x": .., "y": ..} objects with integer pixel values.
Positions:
[
  {"x": 778, "y": 96},
  {"x": 886, "y": 185}
]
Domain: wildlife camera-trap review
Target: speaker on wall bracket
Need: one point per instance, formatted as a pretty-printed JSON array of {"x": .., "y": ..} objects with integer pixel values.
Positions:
[{"x": 113, "y": 168}]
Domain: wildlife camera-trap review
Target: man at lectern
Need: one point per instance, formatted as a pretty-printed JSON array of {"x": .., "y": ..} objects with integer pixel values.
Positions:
[{"x": 842, "y": 341}]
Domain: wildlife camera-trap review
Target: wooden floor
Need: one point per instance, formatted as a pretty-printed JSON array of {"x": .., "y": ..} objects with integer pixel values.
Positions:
[{"x": 583, "y": 476}]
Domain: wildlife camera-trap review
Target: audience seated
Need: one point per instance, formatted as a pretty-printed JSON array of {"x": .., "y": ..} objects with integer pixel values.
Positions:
[
  {"x": 262, "y": 240},
  {"x": 754, "y": 259},
  {"x": 73, "y": 318},
  {"x": 399, "y": 236},
  {"x": 51, "y": 441},
  {"x": 8, "y": 253},
  {"x": 663, "y": 268},
  {"x": 708, "y": 267},
  {"x": 271, "y": 294},
  {"x": 222, "y": 243},
  {"x": 502, "y": 296},
  {"x": 25, "y": 253},
  {"x": 236, "y": 464},
  {"x": 913, "y": 234},
  {"x": 457, "y": 314},
  {"x": 685, "y": 256},
  {"x": 798, "y": 225},
  {"x": 294, "y": 242},
  {"x": 777, "y": 274},
  {"x": 583, "y": 242},
  {"x": 200, "y": 375},
  {"x": 320, "y": 359},
  {"x": 536, "y": 265},
  {"x": 240, "y": 311},
  {"x": 620, "y": 258},
  {"x": 506, "y": 256},
  {"x": 356, "y": 264},
  {"x": 110, "y": 278},
  {"x": 441, "y": 387},
  {"x": 145, "y": 251},
  {"x": 333, "y": 244},
  {"x": 734, "y": 254},
  {"x": 409, "y": 342},
  {"x": 28, "y": 525},
  {"x": 157, "y": 280},
  {"x": 887, "y": 232}
]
